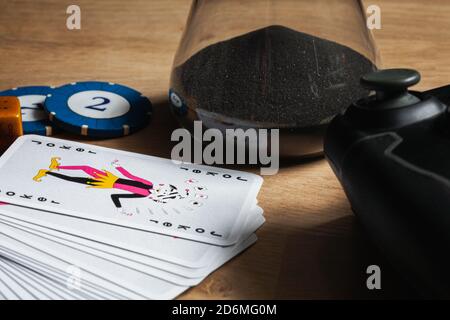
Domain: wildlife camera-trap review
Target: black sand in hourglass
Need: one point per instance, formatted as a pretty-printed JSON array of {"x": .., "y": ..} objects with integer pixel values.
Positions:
[{"x": 273, "y": 77}]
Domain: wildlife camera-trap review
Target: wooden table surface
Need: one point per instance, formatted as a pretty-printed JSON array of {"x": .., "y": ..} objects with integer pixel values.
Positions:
[{"x": 311, "y": 246}]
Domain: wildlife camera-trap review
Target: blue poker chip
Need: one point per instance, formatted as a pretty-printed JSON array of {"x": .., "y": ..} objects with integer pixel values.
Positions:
[
  {"x": 34, "y": 118},
  {"x": 177, "y": 102},
  {"x": 98, "y": 109}
]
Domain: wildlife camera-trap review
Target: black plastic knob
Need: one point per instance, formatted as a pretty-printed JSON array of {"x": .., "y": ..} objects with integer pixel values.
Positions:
[
  {"x": 391, "y": 87},
  {"x": 390, "y": 80}
]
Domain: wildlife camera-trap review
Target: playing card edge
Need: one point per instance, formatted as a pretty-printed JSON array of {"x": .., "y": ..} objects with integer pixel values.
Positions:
[{"x": 189, "y": 264}]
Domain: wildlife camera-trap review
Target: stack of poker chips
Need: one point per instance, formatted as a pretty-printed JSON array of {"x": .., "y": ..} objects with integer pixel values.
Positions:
[{"x": 94, "y": 109}]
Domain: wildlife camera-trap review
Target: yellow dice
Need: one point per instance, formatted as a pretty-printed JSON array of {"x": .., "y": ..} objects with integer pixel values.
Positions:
[{"x": 10, "y": 121}]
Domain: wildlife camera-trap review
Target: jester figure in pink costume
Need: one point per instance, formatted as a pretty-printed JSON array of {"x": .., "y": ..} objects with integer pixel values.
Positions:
[{"x": 135, "y": 187}]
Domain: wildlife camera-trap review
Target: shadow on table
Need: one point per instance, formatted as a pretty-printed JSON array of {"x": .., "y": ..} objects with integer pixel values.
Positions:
[{"x": 328, "y": 261}]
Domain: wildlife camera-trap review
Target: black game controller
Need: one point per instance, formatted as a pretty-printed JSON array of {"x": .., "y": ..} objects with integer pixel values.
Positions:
[{"x": 391, "y": 153}]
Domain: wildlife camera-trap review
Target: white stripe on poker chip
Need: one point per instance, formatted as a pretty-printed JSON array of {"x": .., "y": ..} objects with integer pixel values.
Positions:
[
  {"x": 52, "y": 115},
  {"x": 84, "y": 130},
  {"x": 126, "y": 129},
  {"x": 48, "y": 130}
]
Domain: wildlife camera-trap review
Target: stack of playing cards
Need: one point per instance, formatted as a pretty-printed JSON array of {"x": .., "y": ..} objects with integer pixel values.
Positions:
[{"x": 84, "y": 222}]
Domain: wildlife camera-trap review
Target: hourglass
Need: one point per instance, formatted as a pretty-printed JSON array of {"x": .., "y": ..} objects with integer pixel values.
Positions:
[{"x": 289, "y": 65}]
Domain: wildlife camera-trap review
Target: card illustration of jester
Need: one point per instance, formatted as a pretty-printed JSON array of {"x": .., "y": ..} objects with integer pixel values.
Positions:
[
  {"x": 134, "y": 186},
  {"x": 186, "y": 200}
]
